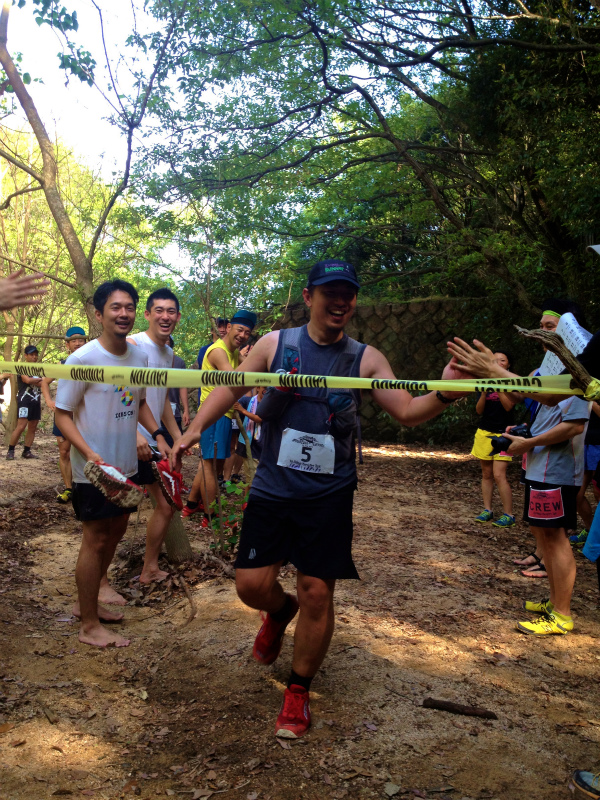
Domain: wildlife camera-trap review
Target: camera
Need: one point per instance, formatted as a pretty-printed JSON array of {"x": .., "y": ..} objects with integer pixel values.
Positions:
[{"x": 500, "y": 443}]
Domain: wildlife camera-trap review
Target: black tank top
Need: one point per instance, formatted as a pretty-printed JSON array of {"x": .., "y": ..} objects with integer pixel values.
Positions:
[{"x": 310, "y": 412}]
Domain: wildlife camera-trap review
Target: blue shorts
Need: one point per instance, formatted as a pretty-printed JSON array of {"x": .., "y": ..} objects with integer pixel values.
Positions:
[
  {"x": 219, "y": 433},
  {"x": 56, "y": 431},
  {"x": 592, "y": 456},
  {"x": 591, "y": 548}
]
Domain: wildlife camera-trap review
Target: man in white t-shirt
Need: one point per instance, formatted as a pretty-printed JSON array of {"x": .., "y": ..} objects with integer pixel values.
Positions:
[
  {"x": 162, "y": 314},
  {"x": 100, "y": 421}
]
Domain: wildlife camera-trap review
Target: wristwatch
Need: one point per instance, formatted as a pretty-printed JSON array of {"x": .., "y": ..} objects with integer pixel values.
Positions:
[
  {"x": 443, "y": 399},
  {"x": 159, "y": 432}
]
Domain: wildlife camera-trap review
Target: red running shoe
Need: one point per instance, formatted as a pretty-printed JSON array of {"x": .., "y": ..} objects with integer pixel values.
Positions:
[
  {"x": 188, "y": 511},
  {"x": 294, "y": 718},
  {"x": 269, "y": 639},
  {"x": 170, "y": 482},
  {"x": 113, "y": 484}
]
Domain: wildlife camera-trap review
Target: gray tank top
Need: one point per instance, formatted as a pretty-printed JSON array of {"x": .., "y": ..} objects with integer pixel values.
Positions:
[{"x": 309, "y": 411}]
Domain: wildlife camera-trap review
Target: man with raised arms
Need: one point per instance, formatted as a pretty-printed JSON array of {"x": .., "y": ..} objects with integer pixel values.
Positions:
[
  {"x": 100, "y": 421},
  {"x": 162, "y": 314},
  {"x": 300, "y": 505}
]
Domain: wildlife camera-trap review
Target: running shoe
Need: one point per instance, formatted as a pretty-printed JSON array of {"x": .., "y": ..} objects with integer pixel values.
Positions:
[
  {"x": 294, "y": 718},
  {"x": 10, "y": 456},
  {"x": 505, "y": 521},
  {"x": 188, "y": 511},
  {"x": 546, "y": 625},
  {"x": 579, "y": 539},
  {"x": 586, "y": 783},
  {"x": 269, "y": 639},
  {"x": 113, "y": 484},
  {"x": 543, "y": 607},
  {"x": 169, "y": 482},
  {"x": 28, "y": 454},
  {"x": 64, "y": 496},
  {"x": 485, "y": 516}
]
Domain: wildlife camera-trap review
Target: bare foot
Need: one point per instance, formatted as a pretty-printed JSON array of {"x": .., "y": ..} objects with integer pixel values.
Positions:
[
  {"x": 537, "y": 571},
  {"x": 108, "y": 595},
  {"x": 98, "y": 636},
  {"x": 105, "y": 614},
  {"x": 153, "y": 576}
]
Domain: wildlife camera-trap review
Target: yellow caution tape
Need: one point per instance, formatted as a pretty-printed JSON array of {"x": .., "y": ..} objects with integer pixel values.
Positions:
[{"x": 192, "y": 379}]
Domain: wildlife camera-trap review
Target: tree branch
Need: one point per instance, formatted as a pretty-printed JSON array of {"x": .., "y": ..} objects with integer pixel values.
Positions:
[
  {"x": 41, "y": 272},
  {"x": 22, "y": 166},
  {"x": 6, "y": 203}
]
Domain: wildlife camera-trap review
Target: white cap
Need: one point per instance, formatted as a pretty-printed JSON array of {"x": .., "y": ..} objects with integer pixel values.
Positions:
[{"x": 595, "y": 248}]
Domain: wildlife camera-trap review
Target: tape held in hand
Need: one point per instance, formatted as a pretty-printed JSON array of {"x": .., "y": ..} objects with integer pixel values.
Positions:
[
  {"x": 192, "y": 379},
  {"x": 593, "y": 390}
]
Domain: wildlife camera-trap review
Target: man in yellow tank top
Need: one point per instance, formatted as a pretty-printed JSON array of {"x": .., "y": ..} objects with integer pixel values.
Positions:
[{"x": 222, "y": 355}]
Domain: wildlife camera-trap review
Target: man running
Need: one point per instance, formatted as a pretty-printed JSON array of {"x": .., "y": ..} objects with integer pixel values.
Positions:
[
  {"x": 75, "y": 338},
  {"x": 300, "y": 506},
  {"x": 100, "y": 421},
  {"x": 29, "y": 408},
  {"x": 162, "y": 314},
  {"x": 222, "y": 355}
]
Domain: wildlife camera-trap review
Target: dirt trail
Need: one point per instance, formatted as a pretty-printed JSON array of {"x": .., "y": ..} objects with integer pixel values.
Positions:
[{"x": 185, "y": 711}]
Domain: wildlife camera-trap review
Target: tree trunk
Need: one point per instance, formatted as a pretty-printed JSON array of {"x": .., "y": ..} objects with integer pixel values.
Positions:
[
  {"x": 81, "y": 263},
  {"x": 177, "y": 543}
]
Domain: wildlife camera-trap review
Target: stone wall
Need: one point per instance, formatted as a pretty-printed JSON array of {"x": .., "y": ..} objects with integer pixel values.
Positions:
[{"x": 413, "y": 338}]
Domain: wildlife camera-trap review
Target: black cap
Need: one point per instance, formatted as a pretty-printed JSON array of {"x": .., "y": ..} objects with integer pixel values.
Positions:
[
  {"x": 332, "y": 270},
  {"x": 31, "y": 348}
]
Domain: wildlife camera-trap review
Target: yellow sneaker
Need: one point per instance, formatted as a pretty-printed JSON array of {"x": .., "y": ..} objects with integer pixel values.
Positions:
[
  {"x": 546, "y": 625},
  {"x": 543, "y": 607},
  {"x": 65, "y": 496}
]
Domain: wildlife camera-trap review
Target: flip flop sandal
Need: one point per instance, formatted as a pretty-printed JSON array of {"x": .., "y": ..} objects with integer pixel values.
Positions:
[
  {"x": 518, "y": 561},
  {"x": 536, "y": 571}
]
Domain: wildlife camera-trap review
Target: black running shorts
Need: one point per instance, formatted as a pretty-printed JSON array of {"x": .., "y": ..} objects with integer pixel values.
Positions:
[
  {"x": 548, "y": 505},
  {"x": 90, "y": 504},
  {"x": 314, "y": 535},
  {"x": 29, "y": 409},
  {"x": 144, "y": 475}
]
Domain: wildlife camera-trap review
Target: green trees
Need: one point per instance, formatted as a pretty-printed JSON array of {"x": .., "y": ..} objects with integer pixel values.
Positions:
[{"x": 444, "y": 147}]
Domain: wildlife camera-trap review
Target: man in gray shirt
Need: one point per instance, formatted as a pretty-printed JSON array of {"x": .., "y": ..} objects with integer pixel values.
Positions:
[{"x": 552, "y": 480}]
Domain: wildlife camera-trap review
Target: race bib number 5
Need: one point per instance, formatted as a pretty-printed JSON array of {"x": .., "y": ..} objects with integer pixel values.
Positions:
[{"x": 307, "y": 452}]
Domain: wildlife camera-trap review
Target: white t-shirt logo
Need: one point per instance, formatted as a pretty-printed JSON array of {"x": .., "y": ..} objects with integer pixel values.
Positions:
[{"x": 126, "y": 396}]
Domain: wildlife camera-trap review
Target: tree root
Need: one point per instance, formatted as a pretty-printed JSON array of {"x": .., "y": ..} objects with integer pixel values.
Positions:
[{"x": 581, "y": 378}]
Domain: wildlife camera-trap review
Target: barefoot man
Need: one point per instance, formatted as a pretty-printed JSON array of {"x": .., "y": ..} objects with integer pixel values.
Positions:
[
  {"x": 300, "y": 506},
  {"x": 162, "y": 315},
  {"x": 100, "y": 421}
]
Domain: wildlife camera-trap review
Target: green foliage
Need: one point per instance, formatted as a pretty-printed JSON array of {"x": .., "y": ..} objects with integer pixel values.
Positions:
[
  {"x": 78, "y": 63},
  {"x": 327, "y": 130}
]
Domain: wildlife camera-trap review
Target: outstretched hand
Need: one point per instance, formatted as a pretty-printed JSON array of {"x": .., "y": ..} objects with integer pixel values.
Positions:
[
  {"x": 22, "y": 290},
  {"x": 452, "y": 372},
  {"x": 181, "y": 447},
  {"x": 474, "y": 362}
]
